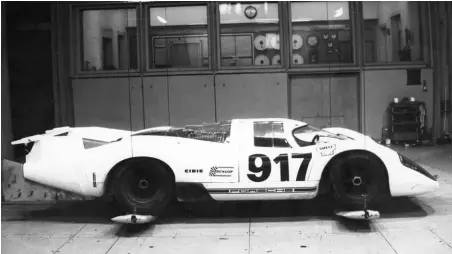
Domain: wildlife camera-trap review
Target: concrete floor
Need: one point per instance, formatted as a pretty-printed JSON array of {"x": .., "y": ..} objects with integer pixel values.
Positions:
[{"x": 408, "y": 225}]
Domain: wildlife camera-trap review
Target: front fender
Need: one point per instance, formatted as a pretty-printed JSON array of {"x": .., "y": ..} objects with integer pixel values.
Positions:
[{"x": 385, "y": 154}]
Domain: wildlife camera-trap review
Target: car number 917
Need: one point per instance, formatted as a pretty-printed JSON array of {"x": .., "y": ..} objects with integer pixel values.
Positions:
[{"x": 283, "y": 160}]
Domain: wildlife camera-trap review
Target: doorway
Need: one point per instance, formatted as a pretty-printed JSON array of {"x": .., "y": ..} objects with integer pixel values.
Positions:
[{"x": 30, "y": 70}]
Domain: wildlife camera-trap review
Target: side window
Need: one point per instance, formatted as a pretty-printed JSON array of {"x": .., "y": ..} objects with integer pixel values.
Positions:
[{"x": 269, "y": 134}]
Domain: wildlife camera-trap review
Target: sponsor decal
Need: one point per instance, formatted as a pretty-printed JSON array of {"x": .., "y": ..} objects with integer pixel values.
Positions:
[
  {"x": 193, "y": 170},
  {"x": 326, "y": 150},
  {"x": 221, "y": 171}
]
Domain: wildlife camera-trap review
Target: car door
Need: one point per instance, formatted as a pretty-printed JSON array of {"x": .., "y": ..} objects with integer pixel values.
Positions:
[{"x": 269, "y": 159}]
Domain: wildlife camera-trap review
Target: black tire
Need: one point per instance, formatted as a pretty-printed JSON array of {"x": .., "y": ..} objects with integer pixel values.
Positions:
[
  {"x": 358, "y": 181},
  {"x": 143, "y": 186}
]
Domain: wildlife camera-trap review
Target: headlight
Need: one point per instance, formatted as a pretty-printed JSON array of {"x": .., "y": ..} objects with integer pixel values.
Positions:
[{"x": 414, "y": 166}]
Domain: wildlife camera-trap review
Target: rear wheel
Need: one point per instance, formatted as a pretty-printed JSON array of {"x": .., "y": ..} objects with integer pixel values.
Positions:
[
  {"x": 143, "y": 186},
  {"x": 358, "y": 181}
]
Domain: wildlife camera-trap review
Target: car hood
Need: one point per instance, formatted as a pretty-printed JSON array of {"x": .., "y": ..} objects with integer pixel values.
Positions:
[{"x": 349, "y": 133}]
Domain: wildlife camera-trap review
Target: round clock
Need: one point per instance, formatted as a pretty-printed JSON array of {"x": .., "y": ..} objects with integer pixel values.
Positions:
[
  {"x": 313, "y": 41},
  {"x": 250, "y": 12}
]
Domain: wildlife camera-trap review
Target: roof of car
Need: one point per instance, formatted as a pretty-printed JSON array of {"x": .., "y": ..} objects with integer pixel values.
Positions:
[{"x": 226, "y": 122}]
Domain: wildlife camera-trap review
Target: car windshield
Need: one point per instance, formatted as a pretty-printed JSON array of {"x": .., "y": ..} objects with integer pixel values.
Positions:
[{"x": 305, "y": 134}]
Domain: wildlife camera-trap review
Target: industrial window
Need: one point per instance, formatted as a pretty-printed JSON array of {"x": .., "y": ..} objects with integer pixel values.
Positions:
[
  {"x": 395, "y": 31},
  {"x": 249, "y": 34},
  {"x": 269, "y": 134},
  {"x": 178, "y": 37},
  {"x": 109, "y": 40},
  {"x": 321, "y": 33}
]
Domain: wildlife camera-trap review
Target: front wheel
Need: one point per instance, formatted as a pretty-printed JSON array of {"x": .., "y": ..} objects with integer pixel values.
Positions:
[
  {"x": 143, "y": 186},
  {"x": 358, "y": 181}
]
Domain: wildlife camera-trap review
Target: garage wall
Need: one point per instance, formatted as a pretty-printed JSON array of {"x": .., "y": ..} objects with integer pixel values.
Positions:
[
  {"x": 381, "y": 86},
  {"x": 155, "y": 101},
  {"x": 251, "y": 95},
  {"x": 191, "y": 100},
  {"x": 105, "y": 102},
  {"x": 325, "y": 100},
  {"x": 181, "y": 100},
  {"x": 178, "y": 100}
]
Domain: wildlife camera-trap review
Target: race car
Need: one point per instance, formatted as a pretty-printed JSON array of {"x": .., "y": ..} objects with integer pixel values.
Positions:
[{"x": 239, "y": 159}]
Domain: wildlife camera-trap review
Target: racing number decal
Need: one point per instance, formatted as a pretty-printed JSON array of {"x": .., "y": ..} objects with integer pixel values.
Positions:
[
  {"x": 265, "y": 168},
  {"x": 283, "y": 160},
  {"x": 301, "y": 176}
]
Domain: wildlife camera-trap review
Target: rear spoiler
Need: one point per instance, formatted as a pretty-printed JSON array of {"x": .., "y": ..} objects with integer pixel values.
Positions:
[
  {"x": 34, "y": 138},
  {"x": 92, "y": 133}
]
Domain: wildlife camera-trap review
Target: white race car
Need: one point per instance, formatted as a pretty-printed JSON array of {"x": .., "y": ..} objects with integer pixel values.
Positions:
[{"x": 241, "y": 159}]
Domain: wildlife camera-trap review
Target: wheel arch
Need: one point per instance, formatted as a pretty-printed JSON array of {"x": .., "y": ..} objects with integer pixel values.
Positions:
[
  {"x": 324, "y": 179},
  {"x": 145, "y": 159}
]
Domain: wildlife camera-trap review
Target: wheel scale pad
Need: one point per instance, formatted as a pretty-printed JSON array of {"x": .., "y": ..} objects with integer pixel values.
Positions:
[
  {"x": 134, "y": 219},
  {"x": 359, "y": 215}
]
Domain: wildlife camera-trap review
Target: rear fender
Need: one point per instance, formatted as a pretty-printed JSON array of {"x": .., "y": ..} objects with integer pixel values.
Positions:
[{"x": 109, "y": 176}]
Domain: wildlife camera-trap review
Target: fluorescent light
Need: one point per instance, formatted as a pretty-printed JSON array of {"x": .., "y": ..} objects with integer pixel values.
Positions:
[
  {"x": 339, "y": 12},
  {"x": 225, "y": 8},
  {"x": 302, "y": 20},
  {"x": 162, "y": 20},
  {"x": 238, "y": 9},
  {"x": 266, "y": 20}
]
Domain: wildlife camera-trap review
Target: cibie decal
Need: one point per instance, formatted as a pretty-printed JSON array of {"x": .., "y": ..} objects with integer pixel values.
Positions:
[
  {"x": 221, "y": 171},
  {"x": 193, "y": 171},
  {"x": 326, "y": 150}
]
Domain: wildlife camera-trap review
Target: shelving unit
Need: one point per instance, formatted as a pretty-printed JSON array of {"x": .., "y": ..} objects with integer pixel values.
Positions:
[{"x": 406, "y": 121}]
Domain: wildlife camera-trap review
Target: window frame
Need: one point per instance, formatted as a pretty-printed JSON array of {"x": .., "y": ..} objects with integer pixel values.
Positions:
[
  {"x": 272, "y": 122},
  {"x": 214, "y": 43},
  {"x": 355, "y": 42},
  {"x": 399, "y": 64},
  {"x": 76, "y": 41},
  {"x": 146, "y": 20},
  {"x": 239, "y": 34},
  {"x": 249, "y": 67}
]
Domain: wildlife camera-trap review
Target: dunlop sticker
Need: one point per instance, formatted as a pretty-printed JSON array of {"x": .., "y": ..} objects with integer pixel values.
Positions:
[{"x": 221, "y": 171}]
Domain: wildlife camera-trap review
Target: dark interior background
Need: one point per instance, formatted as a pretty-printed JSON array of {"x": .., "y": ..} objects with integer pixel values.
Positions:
[{"x": 30, "y": 69}]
